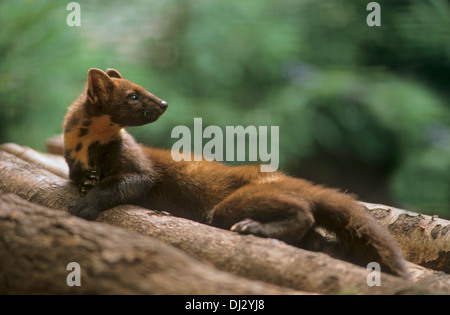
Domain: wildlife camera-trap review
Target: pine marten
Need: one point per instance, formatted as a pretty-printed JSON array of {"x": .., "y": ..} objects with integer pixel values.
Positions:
[{"x": 111, "y": 169}]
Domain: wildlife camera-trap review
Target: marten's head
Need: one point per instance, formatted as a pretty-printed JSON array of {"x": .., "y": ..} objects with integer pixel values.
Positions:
[{"x": 127, "y": 104}]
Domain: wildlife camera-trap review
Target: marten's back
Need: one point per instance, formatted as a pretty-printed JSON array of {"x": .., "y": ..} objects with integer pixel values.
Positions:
[{"x": 191, "y": 188}]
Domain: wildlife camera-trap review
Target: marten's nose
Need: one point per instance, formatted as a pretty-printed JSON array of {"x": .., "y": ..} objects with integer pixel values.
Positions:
[{"x": 163, "y": 105}]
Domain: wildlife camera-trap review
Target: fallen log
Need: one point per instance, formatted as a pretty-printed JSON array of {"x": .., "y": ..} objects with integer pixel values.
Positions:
[
  {"x": 424, "y": 239},
  {"x": 52, "y": 162},
  {"x": 252, "y": 257},
  {"x": 38, "y": 244}
]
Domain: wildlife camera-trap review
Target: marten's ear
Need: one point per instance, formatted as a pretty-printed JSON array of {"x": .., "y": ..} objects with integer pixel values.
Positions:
[
  {"x": 98, "y": 84},
  {"x": 113, "y": 73}
]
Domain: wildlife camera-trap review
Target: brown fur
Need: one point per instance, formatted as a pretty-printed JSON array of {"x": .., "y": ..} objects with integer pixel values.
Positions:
[{"x": 110, "y": 168}]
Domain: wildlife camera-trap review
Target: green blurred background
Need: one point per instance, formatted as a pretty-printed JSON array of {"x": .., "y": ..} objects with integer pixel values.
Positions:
[{"x": 365, "y": 109}]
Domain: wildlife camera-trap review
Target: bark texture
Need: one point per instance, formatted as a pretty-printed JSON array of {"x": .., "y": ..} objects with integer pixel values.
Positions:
[
  {"x": 424, "y": 239},
  {"x": 248, "y": 256},
  {"x": 37, "y": 244}
]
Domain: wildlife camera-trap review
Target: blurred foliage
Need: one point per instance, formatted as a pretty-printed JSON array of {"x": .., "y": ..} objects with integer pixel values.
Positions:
[{"x": 362, "y": 108}]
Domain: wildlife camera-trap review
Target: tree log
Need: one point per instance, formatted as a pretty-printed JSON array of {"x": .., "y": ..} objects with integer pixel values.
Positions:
[
  {"x": 264, "y": 259},
  {"x": 424, "y": 239},
  {"x": 37, "y": 244},
  {"x": 55, "y": 145},
  {"x": 51, "y": 162}
]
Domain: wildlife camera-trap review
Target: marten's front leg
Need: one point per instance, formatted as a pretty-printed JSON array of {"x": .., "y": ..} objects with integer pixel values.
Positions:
[{"x": 112, "y": 191}]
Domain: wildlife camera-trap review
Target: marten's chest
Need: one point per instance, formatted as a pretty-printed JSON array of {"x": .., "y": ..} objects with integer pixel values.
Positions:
[{"x": 87, "y": 140}]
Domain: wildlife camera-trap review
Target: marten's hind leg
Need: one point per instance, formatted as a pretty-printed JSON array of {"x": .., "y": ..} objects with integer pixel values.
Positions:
[{"x": 264, "y": 210}]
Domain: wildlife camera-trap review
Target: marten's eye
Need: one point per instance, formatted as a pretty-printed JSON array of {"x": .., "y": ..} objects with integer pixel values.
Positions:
[{"x": 133, "y": 97}]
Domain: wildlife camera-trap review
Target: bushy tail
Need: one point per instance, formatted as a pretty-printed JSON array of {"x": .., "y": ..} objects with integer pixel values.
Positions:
[{"x": 359, "y": 232}]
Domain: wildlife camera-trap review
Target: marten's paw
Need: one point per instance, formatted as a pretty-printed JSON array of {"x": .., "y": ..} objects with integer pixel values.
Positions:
[
  {"x": 90, "y": 180},
  {"x": 84, "y": 209},
  {"x": 248, "y": 226}
]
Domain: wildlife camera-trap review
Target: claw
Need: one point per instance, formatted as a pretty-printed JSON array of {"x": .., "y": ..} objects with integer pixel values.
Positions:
[
  {"x": 91, "y": 179},
  {"x": 247, "y": 226}
]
